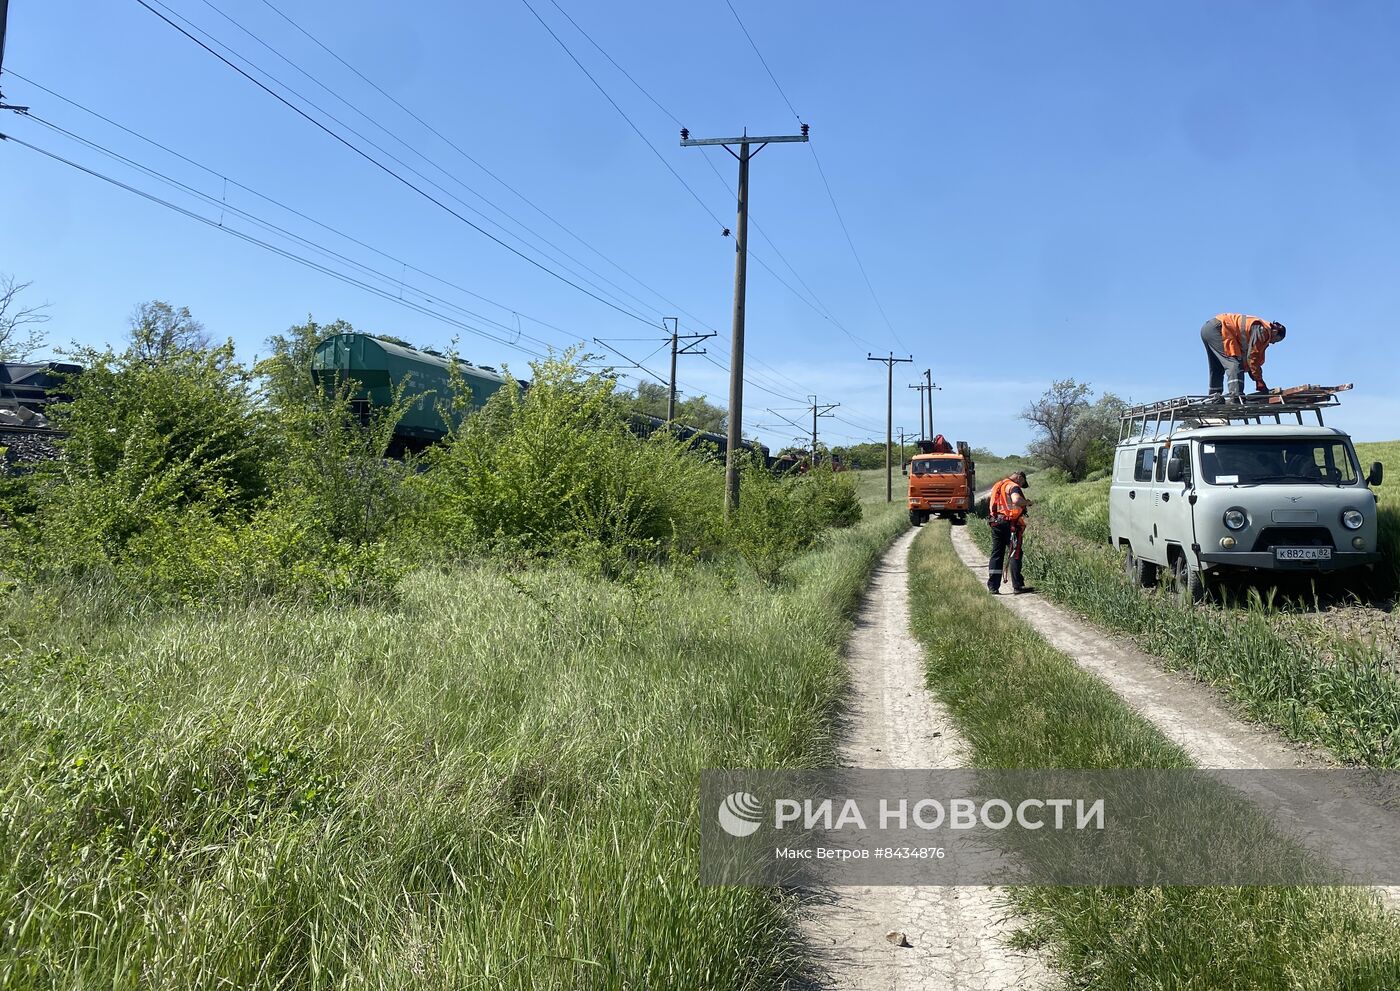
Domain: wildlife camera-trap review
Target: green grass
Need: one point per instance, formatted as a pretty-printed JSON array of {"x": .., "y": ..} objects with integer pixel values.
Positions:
[
  {"x": 489, "y": 784},
  {"x": 1388, "y": 453},
  {"x": 1020, "y": 703}
]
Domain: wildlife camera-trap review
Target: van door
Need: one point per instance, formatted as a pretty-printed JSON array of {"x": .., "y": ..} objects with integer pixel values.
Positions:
[
  {"x": 1173, "y": 511},
  {"x": 1119, "y": 525},
  {"x": 1140, "y": 509}
]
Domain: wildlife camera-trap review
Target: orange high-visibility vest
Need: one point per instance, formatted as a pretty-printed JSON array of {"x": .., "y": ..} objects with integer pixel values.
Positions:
[
  {"x": 999, "y": 505},
  {"x": 1234, "y": 332}
]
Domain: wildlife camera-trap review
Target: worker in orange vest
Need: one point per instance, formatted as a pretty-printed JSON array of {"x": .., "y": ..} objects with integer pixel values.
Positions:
[
  {"x": 1235, "y": 344},
  {"x": 1006, "y": 515}
]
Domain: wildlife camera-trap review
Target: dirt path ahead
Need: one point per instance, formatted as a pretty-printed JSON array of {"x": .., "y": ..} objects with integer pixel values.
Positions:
[
  {"x": 956, "y": 934},
  {"x": 1193, "y": 716}
]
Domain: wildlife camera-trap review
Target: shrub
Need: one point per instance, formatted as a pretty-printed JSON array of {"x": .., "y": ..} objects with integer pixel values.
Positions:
[
  {"x": 181, "y": 481},
  {"x": 553, "y": 471}
]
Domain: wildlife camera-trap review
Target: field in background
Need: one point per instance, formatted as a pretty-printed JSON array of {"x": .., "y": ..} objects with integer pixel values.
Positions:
[{"x": 490, "y": 782}]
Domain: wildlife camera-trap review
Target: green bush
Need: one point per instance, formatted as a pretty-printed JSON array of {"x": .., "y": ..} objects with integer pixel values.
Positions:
[
  {"x": 779, "y": 518},
  {"x": 553, "y": 471},
  {"x": 180, "y": 480}
]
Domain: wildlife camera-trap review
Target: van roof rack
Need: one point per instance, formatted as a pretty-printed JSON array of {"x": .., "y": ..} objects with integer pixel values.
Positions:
[{"x": 1146, "y": 421}]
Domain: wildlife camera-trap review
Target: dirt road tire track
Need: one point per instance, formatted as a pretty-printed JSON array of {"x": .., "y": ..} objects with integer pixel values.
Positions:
[{"x": 957, "y": 935}]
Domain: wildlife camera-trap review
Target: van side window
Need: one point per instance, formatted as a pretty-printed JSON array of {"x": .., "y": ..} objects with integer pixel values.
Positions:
[
  {"x": 1183, "y": 453},
  {"x": 1162, "y": 466},
  {"x": 1143, "y": 473}
]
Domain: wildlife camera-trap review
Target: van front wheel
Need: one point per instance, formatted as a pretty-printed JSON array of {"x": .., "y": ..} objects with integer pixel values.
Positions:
[{"x": 1190, "y": 584}]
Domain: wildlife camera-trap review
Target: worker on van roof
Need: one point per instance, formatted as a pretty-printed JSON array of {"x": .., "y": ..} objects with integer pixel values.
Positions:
[{"x": 1235, "y": 343}]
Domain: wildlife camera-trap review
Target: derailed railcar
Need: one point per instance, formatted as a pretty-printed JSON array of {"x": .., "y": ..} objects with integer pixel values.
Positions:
[
  {"x": 644, "y": 426},
  {"x": 379, "y": 367}
]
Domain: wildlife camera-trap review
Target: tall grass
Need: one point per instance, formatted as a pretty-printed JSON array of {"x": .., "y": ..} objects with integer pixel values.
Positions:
[
  {"x": 489, "y": 784},
  {"x": 1020, "y": 703}
]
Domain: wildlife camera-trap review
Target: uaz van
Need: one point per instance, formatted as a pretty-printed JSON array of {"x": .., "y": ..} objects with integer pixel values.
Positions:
[{"x": 1203, "y": 489}]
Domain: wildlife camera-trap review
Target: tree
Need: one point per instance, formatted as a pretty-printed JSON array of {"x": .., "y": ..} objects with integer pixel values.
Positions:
[
  {"x": 1074, "y": 434},
  {"x": 692, "y": 411},
  {"x": 159, "y": 331},
  {"x": 20, "y": 335}
]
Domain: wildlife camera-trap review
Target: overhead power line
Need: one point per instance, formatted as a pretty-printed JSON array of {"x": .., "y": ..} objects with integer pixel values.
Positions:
[
  {"x": 386, "y": 169},
  {"x": 822, "y": 172},
  {"x": 293, "y": 256},
  {"x": 337, "y": 95},
  {"x": 810, "y": 299},
  {"x": 229, "y": 180},
  {"x": 671, "y": 303}
]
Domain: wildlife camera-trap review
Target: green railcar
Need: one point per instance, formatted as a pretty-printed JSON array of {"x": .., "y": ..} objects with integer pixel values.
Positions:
[{"x": 378, "y": 367}]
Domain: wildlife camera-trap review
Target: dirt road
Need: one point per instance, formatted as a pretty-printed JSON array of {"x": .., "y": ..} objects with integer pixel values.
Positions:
[{"x": 956, "y": 934}]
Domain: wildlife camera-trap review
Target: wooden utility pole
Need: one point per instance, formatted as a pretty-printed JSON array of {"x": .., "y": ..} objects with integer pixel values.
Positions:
[
  {"x": 901, "y": 447},
  {"x": 818, "y": 410},
  {"x": 741, "y": 263},
  {"x": 676, "y": 338},
  {"x": 890, "y": 362}
]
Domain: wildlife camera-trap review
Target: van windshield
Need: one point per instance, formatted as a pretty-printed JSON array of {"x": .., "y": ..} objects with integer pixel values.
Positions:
[
  {"x": 947, "y": 466},
  {"x": 1282, "y": 460}
]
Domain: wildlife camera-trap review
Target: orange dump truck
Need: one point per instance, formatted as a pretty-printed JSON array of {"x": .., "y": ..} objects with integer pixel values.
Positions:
[{"x": 942, "y": 481}]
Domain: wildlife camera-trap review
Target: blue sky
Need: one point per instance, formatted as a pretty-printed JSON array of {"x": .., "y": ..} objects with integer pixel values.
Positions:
[{"x": 1037, "y": 190}]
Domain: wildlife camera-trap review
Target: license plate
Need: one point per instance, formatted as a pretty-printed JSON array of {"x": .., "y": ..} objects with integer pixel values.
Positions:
[{"x": 1302, "y": 553}]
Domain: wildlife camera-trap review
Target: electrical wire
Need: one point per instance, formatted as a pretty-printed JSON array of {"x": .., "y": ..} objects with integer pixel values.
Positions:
[
  {"x": 243, "y": 236},
  {"x": 822, "y": 172},
  {"x": 386, "y": 169}
]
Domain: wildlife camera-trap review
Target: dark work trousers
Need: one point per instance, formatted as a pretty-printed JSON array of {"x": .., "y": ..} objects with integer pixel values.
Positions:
[
  {"x": 1005, "y": 537},
  {"x": 1223, "y": 369}
]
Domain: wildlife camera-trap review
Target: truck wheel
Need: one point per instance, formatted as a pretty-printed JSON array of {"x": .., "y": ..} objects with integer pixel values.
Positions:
[
  {"x": 960, "y": 519},
  {"x": 1189, "y": 584},
  {"x": 1141, "y": 573},
  {"x": 915, "y": 518}
]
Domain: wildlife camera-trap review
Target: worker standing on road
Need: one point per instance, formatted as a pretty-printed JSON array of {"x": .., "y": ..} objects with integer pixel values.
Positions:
[
  {"x": 1006, "y": 515},
  {"x": 1235, "y": 344}
]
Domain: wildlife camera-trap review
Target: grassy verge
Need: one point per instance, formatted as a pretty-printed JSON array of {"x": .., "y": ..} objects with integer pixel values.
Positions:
[
  {"x": 1314, "y": 682},
  {"x": 1020, "y": 703},
  {"x": 490, "y": 784}
]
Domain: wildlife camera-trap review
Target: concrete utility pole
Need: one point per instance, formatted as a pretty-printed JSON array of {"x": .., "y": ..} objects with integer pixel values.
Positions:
[
  {"x": 928, "y": 377},
  {"x": 676, "y": 338},
  {"x": 741, "y": 263},
  {"x": 818, "y": 410},
  {"x": 890, "y": 362},
  {"x": 901, "y": 447},
  {"x": 920, "y": 387}
]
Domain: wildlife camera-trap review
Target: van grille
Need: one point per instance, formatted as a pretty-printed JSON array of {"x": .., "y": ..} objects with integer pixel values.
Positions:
[{"x": 1294, "y": 536}]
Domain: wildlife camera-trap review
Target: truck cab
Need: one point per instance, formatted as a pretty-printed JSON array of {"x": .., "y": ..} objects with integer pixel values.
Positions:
[
  {"x": 942, "y": 481},
  {"x": 1200, "y": 496}
]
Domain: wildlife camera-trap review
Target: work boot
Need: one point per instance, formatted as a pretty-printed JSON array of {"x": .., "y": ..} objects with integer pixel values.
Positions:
[
  {"x": 1024, "y": 589},
  {"x": 995, "y": 590}
]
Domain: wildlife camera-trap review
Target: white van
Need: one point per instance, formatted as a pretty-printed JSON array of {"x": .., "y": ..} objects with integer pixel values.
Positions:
[{"x": 1202, "y": 488}]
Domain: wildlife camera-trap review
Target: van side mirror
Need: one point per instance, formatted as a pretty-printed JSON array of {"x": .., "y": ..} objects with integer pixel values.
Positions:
[
  {"x": 1377, "y": 473},
  {"x": 1175, "y": 470}
]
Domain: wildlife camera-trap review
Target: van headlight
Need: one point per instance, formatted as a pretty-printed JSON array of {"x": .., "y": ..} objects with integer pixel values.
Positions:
[
  {"x": 1352, "y": 519},
  {"x": 1235, "y": 518}
]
